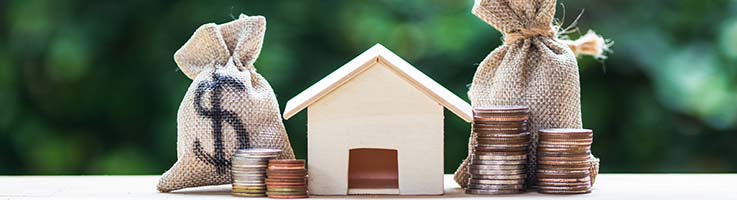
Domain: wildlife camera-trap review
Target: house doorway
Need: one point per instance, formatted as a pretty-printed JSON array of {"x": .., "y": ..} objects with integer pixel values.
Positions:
[{"x": 373, "y": 171}]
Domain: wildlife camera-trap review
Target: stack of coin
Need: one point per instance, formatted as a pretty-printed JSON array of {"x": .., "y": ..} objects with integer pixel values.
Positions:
[
  {"x": 286, "y": 179},
  {"x": 249, "y": 171},
  {"x": 499, "y": 158},
  {"x": 563, "y": 161}
]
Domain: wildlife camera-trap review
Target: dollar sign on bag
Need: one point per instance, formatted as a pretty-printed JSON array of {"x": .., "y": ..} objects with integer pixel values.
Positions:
[{"x": 217, "y": 115}]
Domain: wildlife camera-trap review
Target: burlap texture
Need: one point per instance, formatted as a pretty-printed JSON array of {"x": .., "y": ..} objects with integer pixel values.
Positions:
[
  {"x": 532, "y": 68},
  {"x": 228, "y": 106}
]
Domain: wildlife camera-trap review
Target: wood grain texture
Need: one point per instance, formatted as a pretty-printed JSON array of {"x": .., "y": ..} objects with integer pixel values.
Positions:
[{"x": 608, "y": 186}]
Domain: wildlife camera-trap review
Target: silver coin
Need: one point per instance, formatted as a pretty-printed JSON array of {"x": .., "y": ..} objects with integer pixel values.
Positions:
[
  {"x": 496, "y": 187},
  {"x": 548, "y": 171},
  {"x": 492, "y": 191},
  {"x": 497, "y": 162},
  {"x": 496, "y": 172},
  {"x": 238, "y": 177},
  {"x": 565, "y": 180},
  {"x": 497, "y": 167},
  {"x": 496, "y": 181},
  {"x": 548, "y": 145},
  {"x": 564, "y": 191},
  {"x": 500, "y": 157},
  {"x": 249, "y": 184},
  {"x": 585, "y": 187},
  {"x": 568, "y": 184},
  {"x": 502, "y": 176},
  {"x": 564, "y": 144}
]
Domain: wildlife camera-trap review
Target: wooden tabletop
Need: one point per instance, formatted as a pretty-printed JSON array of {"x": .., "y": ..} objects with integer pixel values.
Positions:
[{"x": 608, "y": 186}]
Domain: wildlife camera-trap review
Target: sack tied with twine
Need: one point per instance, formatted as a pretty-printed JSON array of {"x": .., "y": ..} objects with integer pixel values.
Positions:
[
  {"x": 228, "y": 106},
  {"x": 532, "y": 68}
]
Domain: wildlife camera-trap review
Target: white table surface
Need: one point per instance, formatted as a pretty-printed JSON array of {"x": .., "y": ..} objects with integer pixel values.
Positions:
[{"x": 608, "y": 186}]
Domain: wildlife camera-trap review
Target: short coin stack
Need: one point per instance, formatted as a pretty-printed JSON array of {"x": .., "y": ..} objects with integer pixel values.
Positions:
[
  {"x": 563, "y": 161},
  {"x": 249, "y": 171},
  {"x": 500, "y": 155},
  {"x": 286, "y": 179}
]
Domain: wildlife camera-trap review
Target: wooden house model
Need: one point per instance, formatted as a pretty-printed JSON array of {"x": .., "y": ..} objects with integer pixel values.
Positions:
[{"x": 375, "y": 126}]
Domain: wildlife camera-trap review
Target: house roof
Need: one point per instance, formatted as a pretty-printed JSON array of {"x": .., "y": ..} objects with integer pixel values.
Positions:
[{"x": 376, "y": 54}]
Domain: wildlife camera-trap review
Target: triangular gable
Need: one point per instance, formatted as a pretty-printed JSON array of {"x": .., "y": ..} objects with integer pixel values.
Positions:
[{"x": 379, "y": 53}]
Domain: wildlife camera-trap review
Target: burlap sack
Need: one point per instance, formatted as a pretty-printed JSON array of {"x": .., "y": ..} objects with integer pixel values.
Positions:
[
  {"x": 533, "y": 68},
  {"x": 229, "y": 105}
]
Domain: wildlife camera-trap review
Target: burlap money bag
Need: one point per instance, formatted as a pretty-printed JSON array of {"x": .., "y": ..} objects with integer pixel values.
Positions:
[
  {"x": 532, "y": 68},
  {"x": 228, "y": 106}
]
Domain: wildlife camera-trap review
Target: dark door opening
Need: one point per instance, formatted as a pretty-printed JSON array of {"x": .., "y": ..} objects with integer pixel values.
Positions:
[{"x": 373, "y": 171}]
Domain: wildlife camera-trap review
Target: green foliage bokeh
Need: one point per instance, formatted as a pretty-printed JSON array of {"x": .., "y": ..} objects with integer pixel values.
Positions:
[{"x": 90, "y": 87}]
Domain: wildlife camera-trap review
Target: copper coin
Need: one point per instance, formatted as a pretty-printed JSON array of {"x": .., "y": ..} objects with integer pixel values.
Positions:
[
  {"x": 274, "y": 193},
  {"x": 285, "y": 175},
  {"x": 285, "y": 171},
  {"x": 287, "y": 161},
  {"x": 287, "y": 189},
  {"x": 565, "y": 180},
  {"x": 285, "y": 192},
  {"x": 288, "y": 196},
  {"x": 287, "y": 166},
  {"x": 285, "y": 180},
  {"x": 285, "y": 184}
]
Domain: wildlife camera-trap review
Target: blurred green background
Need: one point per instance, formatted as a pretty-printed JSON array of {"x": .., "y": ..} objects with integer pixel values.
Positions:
[{"x": 90, "y": 87}]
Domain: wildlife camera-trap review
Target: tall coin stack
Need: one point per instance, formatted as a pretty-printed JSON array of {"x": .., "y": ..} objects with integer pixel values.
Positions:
[
  {"x": 286, "y": 179},
  {"x": 563, "y": 161},
  {"x": 500, "y": 153},
  {"x": 249, "y": 171}
]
